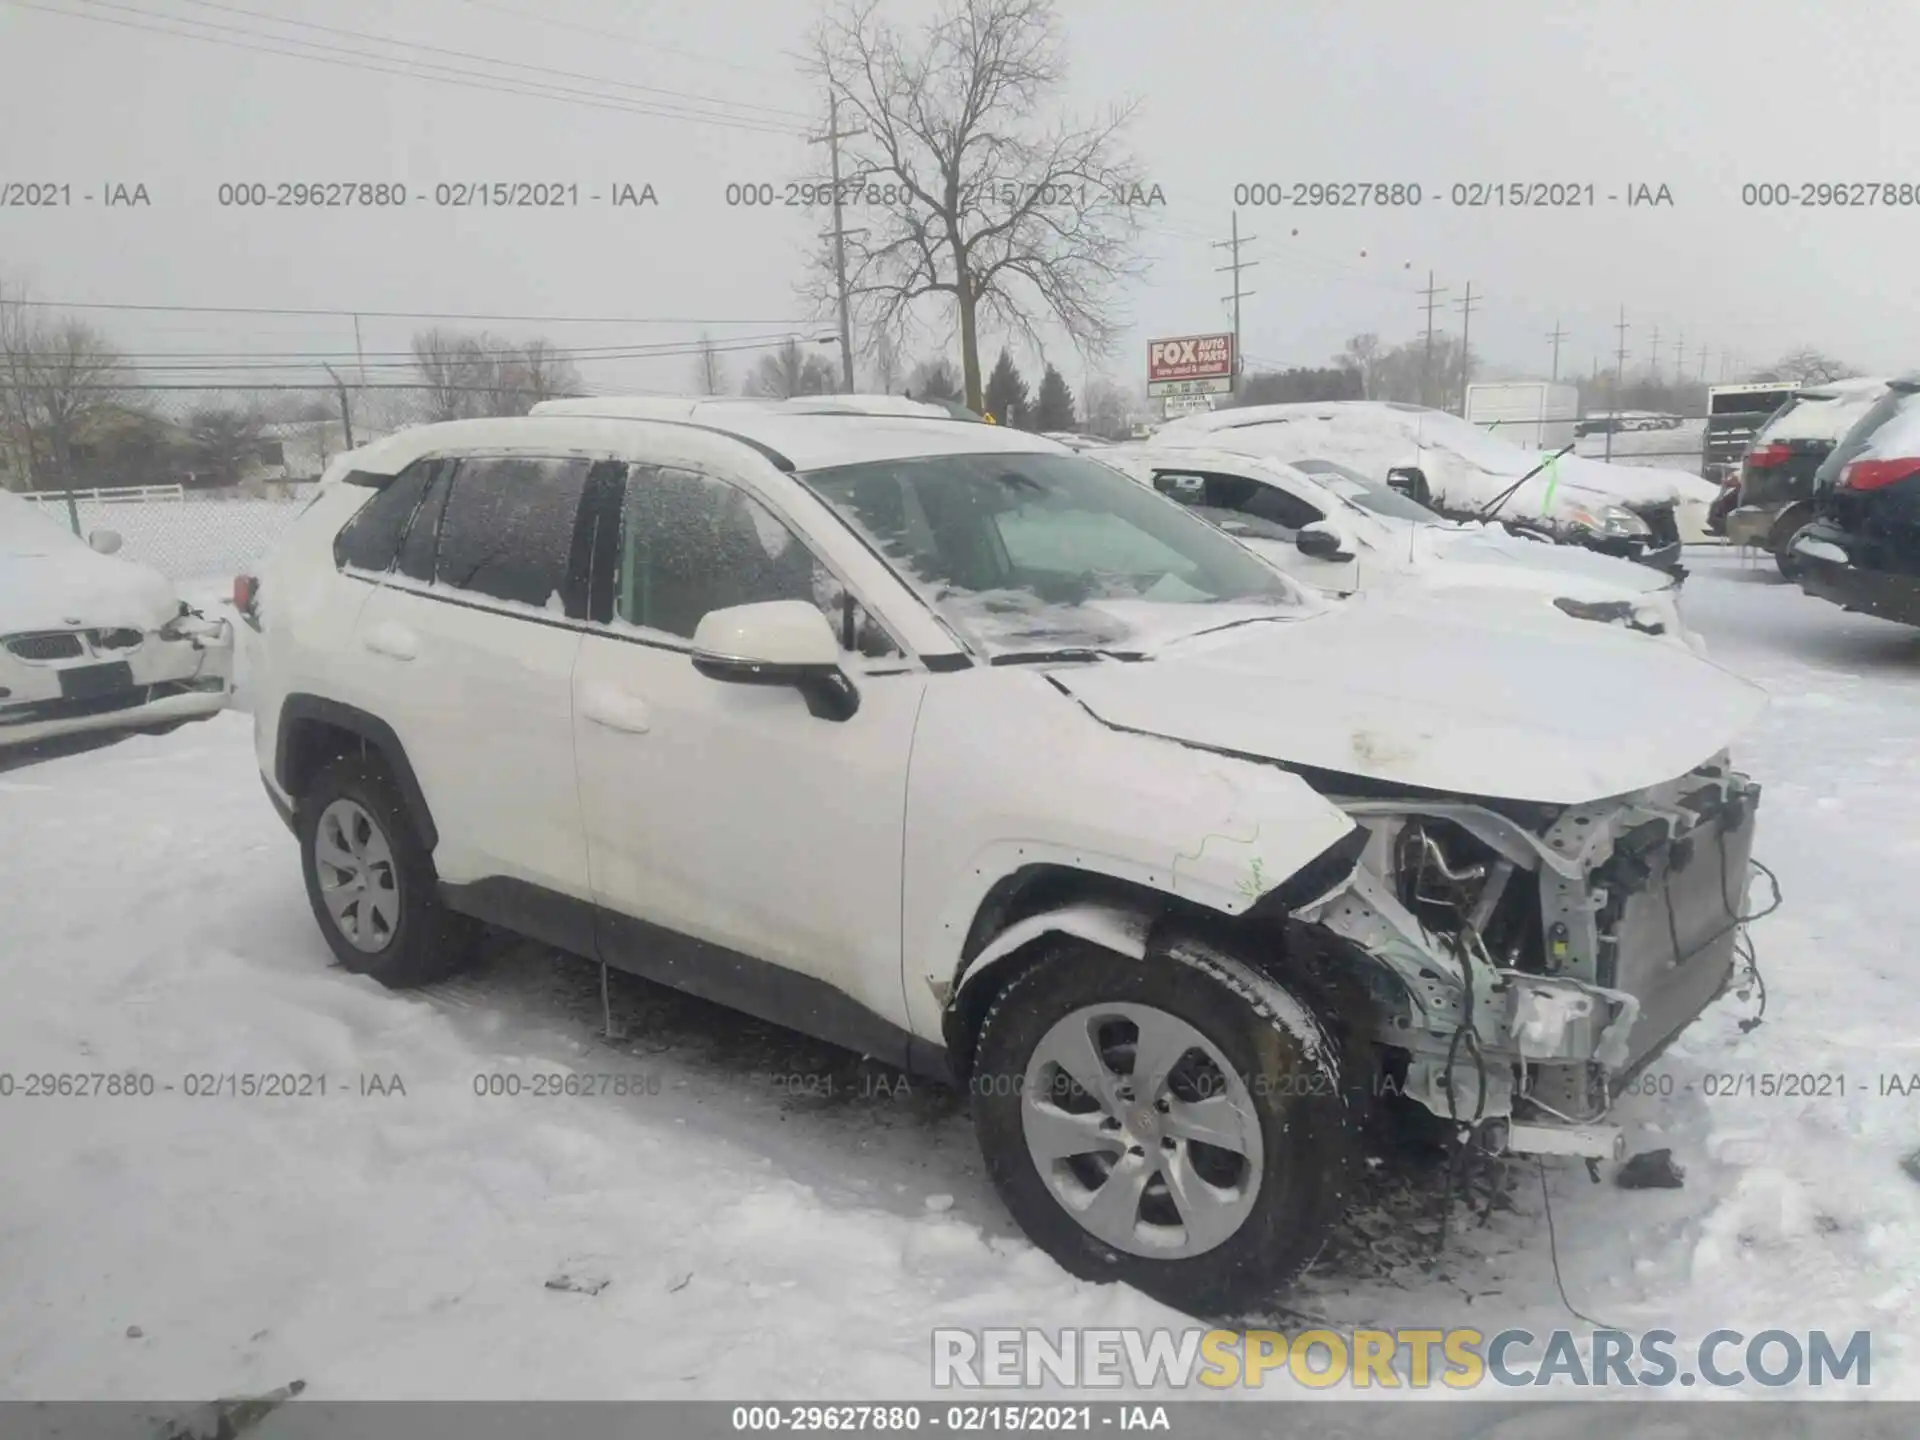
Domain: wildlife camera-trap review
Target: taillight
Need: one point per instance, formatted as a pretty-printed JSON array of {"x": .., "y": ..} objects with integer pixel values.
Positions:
[
  {"x": 245, "y": 590},
  {"x": 1765, "y": 457},
  {"x": 1878, "y": 474}
]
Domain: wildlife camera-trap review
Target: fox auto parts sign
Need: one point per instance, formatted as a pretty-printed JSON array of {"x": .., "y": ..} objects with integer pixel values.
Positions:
[{"x": 1190, "y": 365}]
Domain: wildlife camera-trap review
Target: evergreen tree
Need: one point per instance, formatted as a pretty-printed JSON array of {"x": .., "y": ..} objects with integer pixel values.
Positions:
[
  {"x": 1006, "y": 392},
  {"x": 1053, "y": 406}
]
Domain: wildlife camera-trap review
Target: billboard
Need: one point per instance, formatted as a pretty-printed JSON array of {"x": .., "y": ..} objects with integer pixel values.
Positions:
[{"x": 1190, "y": 365}]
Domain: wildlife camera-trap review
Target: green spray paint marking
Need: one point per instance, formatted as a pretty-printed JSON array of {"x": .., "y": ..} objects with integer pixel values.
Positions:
[
  {"x": 1553, "y": 484},
  {"x": 1230, "y": 839}
]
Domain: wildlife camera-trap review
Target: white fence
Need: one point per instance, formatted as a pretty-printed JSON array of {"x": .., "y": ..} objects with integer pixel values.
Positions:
[{"x": 119, "y": 495}]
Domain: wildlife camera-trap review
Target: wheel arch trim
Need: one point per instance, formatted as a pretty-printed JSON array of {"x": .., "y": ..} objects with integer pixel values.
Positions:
[{"x": 300, "y": 708}]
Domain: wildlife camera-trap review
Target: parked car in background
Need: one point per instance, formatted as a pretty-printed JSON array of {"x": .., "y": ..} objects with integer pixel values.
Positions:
[
  {"x": 1777, "y": 472},
  {"x": 1862, "y": 549},
  {"x": 1734, "y": 413},
  {"x": 1466, "y": 473},
  {"x": 92, "y": 642},
  {"x": 1185, "y": 874},
  {"x": 1333, "y": 529}
]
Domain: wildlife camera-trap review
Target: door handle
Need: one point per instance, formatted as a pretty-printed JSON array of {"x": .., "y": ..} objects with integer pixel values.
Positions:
[
  {"x": 616, "y": 710},
  {"x": 395, "y": 641}
]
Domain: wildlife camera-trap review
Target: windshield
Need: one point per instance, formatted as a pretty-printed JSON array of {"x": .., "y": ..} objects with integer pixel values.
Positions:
[
  {"x": 1031, "y": 553},
  {"x": 26, "y": 530},
  {"x": 1382, "y": 499}
]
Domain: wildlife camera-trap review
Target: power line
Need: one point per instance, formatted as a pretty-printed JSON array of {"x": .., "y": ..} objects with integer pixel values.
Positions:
[
  {"x": 500, "y": 85},
  {"x": 676, "y": 95},
  {"x": 637, "y": 43},
  {"x": 344, "y": 314}
]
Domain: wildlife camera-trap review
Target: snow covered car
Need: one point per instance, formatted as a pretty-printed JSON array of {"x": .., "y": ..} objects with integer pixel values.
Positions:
[
  {"x": 91, "y": 642},
  {"x": 1862, "y": 549},
  {"x": 1342, "y": 534},
  {"x": 1461, "y": 470},
  {"x": 946, "y": 744},
  {"x": 1777, "y": 472}
]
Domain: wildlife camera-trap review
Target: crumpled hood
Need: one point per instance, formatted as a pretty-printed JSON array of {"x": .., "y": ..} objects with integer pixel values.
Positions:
[
  {"x": 1396, "y": 695},
  {"x": 77, "y": 586}
]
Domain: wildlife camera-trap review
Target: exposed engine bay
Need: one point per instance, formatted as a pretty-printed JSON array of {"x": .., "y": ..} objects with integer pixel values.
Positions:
[{"x": 1525, "y": 961}]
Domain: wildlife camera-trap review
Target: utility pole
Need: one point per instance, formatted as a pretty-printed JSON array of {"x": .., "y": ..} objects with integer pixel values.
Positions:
[
  {"x": 359, "y": 354},
  {"x": 1233, "y": 245},
  {"x": 1426, "y": 365},
  {"x": 1680, "y": 357},
  {"x": 1466, "y": 354},
  {"x": 1653, "y": 354},
  {"x": 832, "y": 140},
  {"x": 1556, "y": 337},
  {"x": 1703, "y": 364},
  {"x": 1619, "y": 376}
]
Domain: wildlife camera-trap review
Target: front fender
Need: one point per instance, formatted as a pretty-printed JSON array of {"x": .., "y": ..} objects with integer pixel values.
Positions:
[{"x": 1056, "y": 788}]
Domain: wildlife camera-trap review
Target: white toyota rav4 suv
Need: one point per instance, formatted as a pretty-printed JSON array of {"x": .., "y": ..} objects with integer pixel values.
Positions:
[{"x": 944, "y": 743}]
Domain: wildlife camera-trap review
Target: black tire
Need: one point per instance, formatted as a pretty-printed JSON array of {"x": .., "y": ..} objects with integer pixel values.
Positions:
[
  {"x": 1307, "y": 1126},
  {"x": 1783, "y": 557},
  {"x": 428, "y": 942}
]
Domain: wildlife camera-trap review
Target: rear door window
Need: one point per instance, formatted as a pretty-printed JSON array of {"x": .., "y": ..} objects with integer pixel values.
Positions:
[
  {"x": 509, "y": 532},
  {"x": 1894, "y": 402}
]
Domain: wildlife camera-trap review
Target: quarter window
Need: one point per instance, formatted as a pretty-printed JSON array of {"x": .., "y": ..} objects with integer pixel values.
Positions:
[
  {"x": 509, "y": 531},
  {"x": 369, "y": 540}
]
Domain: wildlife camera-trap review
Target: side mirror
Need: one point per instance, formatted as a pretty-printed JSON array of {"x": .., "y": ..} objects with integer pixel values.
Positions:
[
  {"x": 1410, "y": 481},
  {"x": 777, "y": 642},
  {"x": 1320, "y": 541},
  {"x": 105, "y": 541}
]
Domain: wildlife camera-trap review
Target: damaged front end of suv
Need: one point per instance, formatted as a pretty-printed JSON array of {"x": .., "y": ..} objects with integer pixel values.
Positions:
[{"x": 1525, "y": 961}]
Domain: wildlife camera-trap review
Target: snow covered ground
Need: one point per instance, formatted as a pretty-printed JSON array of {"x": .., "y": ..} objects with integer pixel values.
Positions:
[
  {"x": 1675, "y": 449},
  {"x": 775, "y": 1218}
]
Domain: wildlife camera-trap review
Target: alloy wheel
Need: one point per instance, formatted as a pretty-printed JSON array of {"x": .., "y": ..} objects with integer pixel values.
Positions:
[
  {"x": 359, "y": 882},
  {"x": 1143, "y": 1130}
]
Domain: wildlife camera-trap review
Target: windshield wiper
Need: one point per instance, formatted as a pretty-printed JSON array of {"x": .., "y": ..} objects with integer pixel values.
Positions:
[
  {"x": 1507, "y": 494},
  {"x": 1065, "y": 653}
]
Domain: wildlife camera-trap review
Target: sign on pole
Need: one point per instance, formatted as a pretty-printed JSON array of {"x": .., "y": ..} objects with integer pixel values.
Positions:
[{"x": 1190, "y": 365}]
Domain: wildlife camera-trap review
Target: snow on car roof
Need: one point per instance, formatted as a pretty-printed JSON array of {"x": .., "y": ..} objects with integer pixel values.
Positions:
[
  {"x": 801, "y": 437},
  {"x": 1900, "y": 435},
  {"x": 1823, "y": 412}
]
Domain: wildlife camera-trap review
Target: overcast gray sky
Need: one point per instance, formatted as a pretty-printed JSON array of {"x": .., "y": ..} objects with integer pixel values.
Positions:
[{"x": 1701, "y": 97}]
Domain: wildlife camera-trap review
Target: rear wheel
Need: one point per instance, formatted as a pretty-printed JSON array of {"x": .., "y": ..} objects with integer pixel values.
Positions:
[
  {"x": 1784, "y": 558},
  {"x": 371, "y": 881},
  {"x": 1177, "y": 1123}
]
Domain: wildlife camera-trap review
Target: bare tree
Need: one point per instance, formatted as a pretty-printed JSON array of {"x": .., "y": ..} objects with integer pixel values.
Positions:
[
  {"x": 791, "y": 371},
  {"x": 1365, "y": 354},
  {"x": 1006, "y": 216},
  {"x": 1805, "y": 365},
  {"x": 543, "y": 373},
  {"x": 59, "y": 377},
  {"x": 1109, "y": 410},
  {"x": 709, "y": 374},
  {"x": 472, "y": 375},
  {"x": 886, "y": 363}
]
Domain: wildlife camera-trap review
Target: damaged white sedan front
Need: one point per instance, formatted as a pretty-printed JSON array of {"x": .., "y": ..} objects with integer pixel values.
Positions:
[{"x": 92, "y": 642}]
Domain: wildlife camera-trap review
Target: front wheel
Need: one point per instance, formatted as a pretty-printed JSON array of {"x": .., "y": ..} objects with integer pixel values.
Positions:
[{"x": 1177, "y": 1123}]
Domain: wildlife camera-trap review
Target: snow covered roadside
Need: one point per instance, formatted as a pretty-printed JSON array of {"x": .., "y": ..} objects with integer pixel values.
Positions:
[
  {"x": 393, "y": 1246},
  {"x": 400, "y": 1245}
]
